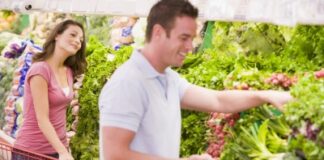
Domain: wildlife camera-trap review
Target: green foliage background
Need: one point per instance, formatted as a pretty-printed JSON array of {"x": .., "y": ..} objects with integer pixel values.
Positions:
[{"x": 247, "y": 52}]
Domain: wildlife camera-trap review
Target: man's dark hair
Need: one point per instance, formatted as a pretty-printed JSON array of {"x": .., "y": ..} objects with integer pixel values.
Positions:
[{"x": 165, "y": 12}]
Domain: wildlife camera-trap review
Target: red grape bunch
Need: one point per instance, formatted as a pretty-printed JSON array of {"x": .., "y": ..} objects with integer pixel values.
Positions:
[
  {"x": 218, "y": 122},
  {"x": 319, "y": 74},
  {"x": 282, "y": 80}
]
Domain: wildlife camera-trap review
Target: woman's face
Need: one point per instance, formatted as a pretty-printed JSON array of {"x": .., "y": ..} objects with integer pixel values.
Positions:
[{"x": 70, "y": 40}]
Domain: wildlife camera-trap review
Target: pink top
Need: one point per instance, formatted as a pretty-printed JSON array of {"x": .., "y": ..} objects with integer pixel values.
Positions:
[{"x": 30, "y": 136}]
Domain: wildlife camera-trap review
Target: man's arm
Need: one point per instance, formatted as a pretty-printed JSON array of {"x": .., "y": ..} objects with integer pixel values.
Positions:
[
  {"x": 230, "y": 101},
  {"x": 116, "y": 145}
]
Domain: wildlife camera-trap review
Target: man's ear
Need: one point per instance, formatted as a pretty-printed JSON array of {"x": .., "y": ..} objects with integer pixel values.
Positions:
[{"x": 158, "y": 32}]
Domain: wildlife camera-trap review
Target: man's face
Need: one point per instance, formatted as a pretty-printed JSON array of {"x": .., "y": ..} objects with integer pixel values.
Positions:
[{"x": 179, "y": 43}]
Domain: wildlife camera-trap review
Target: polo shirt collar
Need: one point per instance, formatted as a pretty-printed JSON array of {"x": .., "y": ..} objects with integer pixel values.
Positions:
[{"x": 146, "y": 66}]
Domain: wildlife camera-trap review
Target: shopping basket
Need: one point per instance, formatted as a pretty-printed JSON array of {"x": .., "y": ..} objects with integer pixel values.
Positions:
[{"x": 6, "y": 150}]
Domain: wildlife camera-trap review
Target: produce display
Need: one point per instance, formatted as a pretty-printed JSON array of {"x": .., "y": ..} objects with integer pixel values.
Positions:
[
  {"x": 7, "y": 68},
  {"x": 7, "y": 19},
  {"x": 73, "y": 110},
  {"x": 23, "y": 52},
  {"x": 8, "y": 64},
  {"x": 235, "y": 61},
  {"x": 305, "y": 116},
  {"x": 102, "y": 62},
  {"x": 257, "y": 68},
  {"x": 218, "y": 122},
  {"x": 7, "y": 37},
  {"x": 121, "y": 31},
  {"x": 42, "y": 23}
]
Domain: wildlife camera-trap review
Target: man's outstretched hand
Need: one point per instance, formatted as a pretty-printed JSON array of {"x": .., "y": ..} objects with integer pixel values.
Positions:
[{"x": 277, "y": 98}]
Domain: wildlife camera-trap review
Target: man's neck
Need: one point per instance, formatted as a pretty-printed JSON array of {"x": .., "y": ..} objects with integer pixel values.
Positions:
[{"x": 152, "y": 56}]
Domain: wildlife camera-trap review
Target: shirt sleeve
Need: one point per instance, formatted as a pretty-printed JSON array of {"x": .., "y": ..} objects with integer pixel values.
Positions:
[
  {"x": 181, "y": 83},
  {"x": 183, "y": 86},
  {"x": 121, "y": 105},
  {"x": 40, "y": 69}
]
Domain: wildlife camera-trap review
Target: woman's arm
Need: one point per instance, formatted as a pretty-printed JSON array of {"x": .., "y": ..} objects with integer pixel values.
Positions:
[{"x": 39, "y": 91}]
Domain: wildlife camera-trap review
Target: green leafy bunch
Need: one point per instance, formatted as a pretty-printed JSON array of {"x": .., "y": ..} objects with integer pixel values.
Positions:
[
  {"x": 205, "y": 69},
  {"x": 305, "y": 116},
  {"x": 100, "y": 67}
]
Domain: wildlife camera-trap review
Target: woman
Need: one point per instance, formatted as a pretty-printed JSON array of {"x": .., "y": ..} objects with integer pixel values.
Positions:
[{"x": 48, "y": 91}]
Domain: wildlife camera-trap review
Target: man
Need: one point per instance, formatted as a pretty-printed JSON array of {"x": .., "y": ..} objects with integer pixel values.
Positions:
[{"x": 140, "y": 105}]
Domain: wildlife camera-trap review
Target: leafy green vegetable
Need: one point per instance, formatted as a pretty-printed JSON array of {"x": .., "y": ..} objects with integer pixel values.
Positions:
[
  {"x": 85, "y": 143},
  {"x": 305, "y": 116}
]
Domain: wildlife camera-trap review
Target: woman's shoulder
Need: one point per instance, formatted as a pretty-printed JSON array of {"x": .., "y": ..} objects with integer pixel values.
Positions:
[
  {"x": 41, "y": 64},
  {"x": 40, "y": 67}
]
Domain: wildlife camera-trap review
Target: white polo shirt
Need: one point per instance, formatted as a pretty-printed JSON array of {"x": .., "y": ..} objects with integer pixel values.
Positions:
[{"x": 140, "y": 99}]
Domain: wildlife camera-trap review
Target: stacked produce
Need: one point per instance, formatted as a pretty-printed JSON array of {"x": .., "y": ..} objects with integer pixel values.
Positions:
[
  {"x": 102, "y": 62},
  {"x": 75, "y": 107},
  {"x": 6, "y": 20},
  {"x": 205, "y": 69},
  {"x": 13, "y": 49},
  {"x": 260, "y": 133},
  {"x": 9, "y": 42},
  {"x": 9, "y": 54},
  {"x": 121, "y": 32},
  {"x": 282, "y": 80},
  {"x": 96, "y": 25},
  {"x": 14, "y": 103},
  {"x": 244, "y": 56},
  {"x": 43, "y": 23},
  {"x": 319, "y": 74},
  {"x": 305, "y": 116},
  {"x": 7, "y": 37},
  {"x": 253, "y": 57},
  {"x": 7, "y": 67},
  {"x": 138, "y": 32},
  {"x": 219, "y": 122}
]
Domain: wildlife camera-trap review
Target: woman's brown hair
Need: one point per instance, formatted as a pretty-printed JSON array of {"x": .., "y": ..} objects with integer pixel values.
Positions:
[{"x": 76, "y": 62}]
